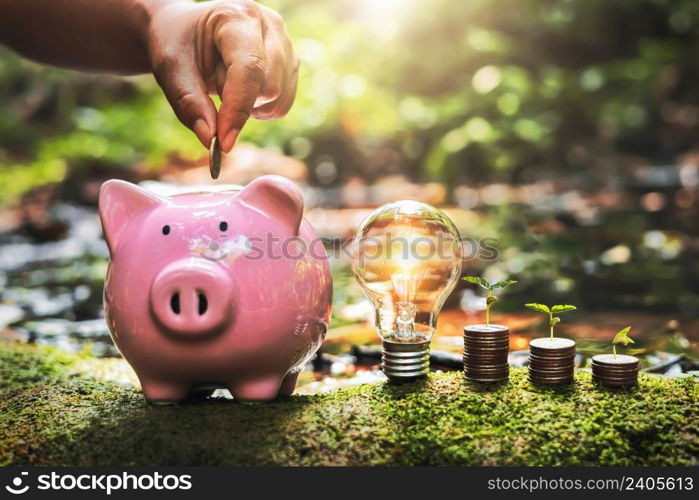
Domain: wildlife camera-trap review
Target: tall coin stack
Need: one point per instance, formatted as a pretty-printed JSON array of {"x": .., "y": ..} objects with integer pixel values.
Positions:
[
  {"x": 551, "y": 361},
  {"x": 615, "y": 371},
  {"x": 485, "y": 353}
]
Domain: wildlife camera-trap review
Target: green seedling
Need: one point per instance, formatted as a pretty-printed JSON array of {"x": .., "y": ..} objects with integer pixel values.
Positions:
[
  {"x": 622, "y": 337},
  {"x": 490, "y": 298},
  {"x": 553, "y": 320}
]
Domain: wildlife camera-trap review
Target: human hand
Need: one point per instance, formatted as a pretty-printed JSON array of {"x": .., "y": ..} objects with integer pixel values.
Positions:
[{"x": 236, "y": 48}]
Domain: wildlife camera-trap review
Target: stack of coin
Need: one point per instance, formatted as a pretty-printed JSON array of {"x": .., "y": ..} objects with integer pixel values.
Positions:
[
  {"x": 485, "y": 353},
  {"x": 615, "y": 371},
  {"x": 551, "y": 361}
]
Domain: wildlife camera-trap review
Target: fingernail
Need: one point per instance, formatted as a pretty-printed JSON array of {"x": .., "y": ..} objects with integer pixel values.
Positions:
[
  {"x": 229, "y": 140},
  {"x": 201, "y": 128}
]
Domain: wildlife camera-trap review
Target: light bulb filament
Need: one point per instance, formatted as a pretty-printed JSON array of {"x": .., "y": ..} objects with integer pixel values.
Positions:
[
  {"x": 406, "y": 286},
  {"x": 405, "y": 320}
]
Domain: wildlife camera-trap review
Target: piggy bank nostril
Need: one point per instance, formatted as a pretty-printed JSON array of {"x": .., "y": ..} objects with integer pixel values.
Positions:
[
  {"x": 203, "y": 303},
  {"x": 175, "y": 303}
]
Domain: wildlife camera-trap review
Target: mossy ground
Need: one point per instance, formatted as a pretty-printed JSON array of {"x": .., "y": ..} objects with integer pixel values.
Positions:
[{"x": 50, "y": 415}]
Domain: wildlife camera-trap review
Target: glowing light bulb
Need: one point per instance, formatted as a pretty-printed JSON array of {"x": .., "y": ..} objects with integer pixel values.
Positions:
[{"x": 407, "y": 258}]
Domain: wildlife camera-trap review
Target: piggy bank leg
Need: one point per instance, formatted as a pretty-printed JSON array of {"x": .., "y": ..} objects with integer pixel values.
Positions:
[
  {"x": 288, "y": 384},
  {"x": 159, "y": 392},
  {"x": 257, "y": 389}
]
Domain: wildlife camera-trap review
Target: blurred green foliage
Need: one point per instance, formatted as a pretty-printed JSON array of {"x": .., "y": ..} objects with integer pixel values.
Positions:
[{"x": 462, "y": 91}]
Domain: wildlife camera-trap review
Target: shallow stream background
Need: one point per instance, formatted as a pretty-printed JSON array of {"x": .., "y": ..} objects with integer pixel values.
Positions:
[{"x": 51, "y": 293}]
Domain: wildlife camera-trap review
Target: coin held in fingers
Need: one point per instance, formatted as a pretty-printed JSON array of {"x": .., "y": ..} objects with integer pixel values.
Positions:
[{"x": 214, "y": 158}]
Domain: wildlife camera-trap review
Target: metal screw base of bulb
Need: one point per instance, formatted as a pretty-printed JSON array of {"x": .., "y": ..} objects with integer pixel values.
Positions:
[{"x": 403, "y": 362}]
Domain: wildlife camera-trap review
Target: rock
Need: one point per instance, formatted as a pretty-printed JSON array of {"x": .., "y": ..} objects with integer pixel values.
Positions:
[
  {"x": 59, "y": 416},
  {"x": 9, "y": 313}
]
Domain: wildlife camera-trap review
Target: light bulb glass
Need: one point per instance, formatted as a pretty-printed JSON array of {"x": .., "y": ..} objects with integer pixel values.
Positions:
[{"x": 407, "y": 258}]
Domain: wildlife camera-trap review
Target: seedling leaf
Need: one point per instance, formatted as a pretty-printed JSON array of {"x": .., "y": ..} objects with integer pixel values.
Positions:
[
  {"x": 476, "y": 280},
  {"x": 623, "y": 337},
  {"x": 562, "y": 308},
  {"x": 502, "y": 284},
  {"x": 538, "y": 308},
  {"x": 555, "y": 320},
  {"x": 491, "y": 300}
]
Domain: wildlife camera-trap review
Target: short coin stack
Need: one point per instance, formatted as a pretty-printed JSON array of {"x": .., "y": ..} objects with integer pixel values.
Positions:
[
  {"x": 551, "y": 361},
  {"x": 615, "y": 371},
  {"x": 485, "y": 353}
]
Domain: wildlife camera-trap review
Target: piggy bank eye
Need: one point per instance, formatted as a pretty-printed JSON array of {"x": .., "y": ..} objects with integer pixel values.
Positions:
[
  {"x": 166, "y": 229},
  {"x": 223, "y": 226}
]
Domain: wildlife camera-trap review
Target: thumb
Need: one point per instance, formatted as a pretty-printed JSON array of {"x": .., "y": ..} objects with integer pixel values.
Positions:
[{"x": 186, "y": 92}]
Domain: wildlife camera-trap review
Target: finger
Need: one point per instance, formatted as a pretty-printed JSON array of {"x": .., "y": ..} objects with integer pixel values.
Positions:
[
  {"x": 241, "y": 47},
  {"x": 220, "y": 77},
  {"x": 278, "y": 54},
  {"x": 186, "y": 92},
  {"x": 281, "y": 106}
]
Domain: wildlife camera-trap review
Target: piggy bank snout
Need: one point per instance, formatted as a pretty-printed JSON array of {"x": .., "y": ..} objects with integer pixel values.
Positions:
[{"x": 192, "y": 297}]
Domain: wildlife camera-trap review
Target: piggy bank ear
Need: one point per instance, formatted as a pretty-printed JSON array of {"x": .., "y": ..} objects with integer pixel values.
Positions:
[
  {"x": 277, "y": 197},
  {"x": 119, "y": 201}
]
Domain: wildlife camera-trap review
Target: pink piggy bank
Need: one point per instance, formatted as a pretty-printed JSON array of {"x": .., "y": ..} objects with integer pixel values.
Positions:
[{"x": 215, "y": 289}]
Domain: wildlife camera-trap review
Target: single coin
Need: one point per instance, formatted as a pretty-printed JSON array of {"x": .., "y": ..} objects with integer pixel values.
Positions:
[
  {"x": 551, "y": 381},
  {"x": 545, "y": 368},
  {"x": 486, "y": 351},
  {"x": 486, "y": 373},
  {"x": 486, "y": 330},
  {"x": 486, "y": 338},
  {"x": 489, "y": 338},
  {"x": 551, "y": 378},
  {"x": 616, "y": 376},
  {"x": 558, "y": 358},
  {"x": 551, "y": 343},
  {"x": 614, "y": 380},
  {"x": 214, "y": 158},
  {"x": 550, "y": 369},
  {"x": 484, "y": 356},
  {"x": 485, "y": 346},
  {"x": 480, "y": 369},
  {"x": 486, "y": 380},
  {"x": 486, "y": 342},
  {"x": 550, "y": 375},
  {"x": 491, "y": 374},
  {"x": 548, "y": 346},
  {"x": 618, "y": 361},
  {"x": 479, "y": 337},
  {"x": 551, "y": 354},
  {"x": 495, "y": 359},
  {"x": 615, "y": 383},
  {"x": 551, "y": 364},
  {"x": 611, "y": 369}
]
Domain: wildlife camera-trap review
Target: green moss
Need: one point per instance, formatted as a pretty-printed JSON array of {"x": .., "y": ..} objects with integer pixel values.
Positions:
[
  {"x": 51, "y": 417},
  {"x": 22, "y": 364}
]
